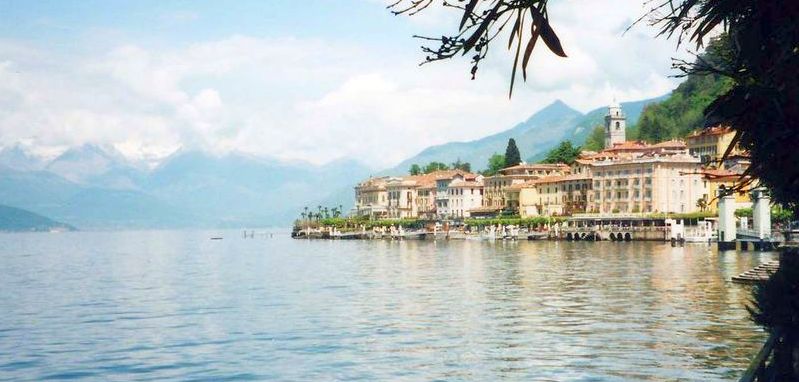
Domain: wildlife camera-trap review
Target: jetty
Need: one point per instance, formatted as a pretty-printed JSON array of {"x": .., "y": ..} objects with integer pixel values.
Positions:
[{"x": 758, "y": 274}]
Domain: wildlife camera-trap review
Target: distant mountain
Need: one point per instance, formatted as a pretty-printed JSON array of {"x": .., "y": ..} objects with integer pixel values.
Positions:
[
  {"x": 17, "y": 157},
  {"x": 539, "y": 132},
  {"x": 95, "y": 187},
  {"x": 97, "y": 166},
  {"x": 596, "y": 117},
  {"x": 17, "y": 219},
  {"x": 534, "y": 137}
]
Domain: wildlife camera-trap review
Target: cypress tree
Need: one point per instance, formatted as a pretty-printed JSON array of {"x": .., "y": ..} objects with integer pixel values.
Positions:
[{"x": 512, "y": 156}]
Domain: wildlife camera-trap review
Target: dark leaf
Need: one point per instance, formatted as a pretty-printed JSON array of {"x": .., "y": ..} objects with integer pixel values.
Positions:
[
  {"x": 528, "y": 51},
  {"x": 469, "y": 43},
  {"x": 516, "y": 29},
  {"x": 468, "y": 12},
  {"x": 515, "y": 60}
]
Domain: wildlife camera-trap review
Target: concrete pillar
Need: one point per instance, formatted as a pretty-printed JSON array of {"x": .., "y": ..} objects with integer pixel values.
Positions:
[
  {"x": 727, "y": 231},
  {"x": 761, "y": 212}
]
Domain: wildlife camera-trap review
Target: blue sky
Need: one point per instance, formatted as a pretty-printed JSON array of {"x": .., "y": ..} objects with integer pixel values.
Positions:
[{"x": 311, "y": 80}]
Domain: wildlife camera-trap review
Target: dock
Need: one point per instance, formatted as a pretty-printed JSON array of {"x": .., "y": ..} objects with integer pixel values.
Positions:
[{"x": 758, "y": 274}]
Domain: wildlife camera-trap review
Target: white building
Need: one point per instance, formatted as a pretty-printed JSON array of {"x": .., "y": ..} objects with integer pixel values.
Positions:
[{"x": 464, "y": 195}]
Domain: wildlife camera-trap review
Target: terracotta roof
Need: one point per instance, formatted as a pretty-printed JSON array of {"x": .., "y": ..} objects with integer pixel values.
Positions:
[
  {"x": 674, "y": 143},
  {"x": 627, "y": 145},
  {"x": 538, "y": 166},
  {"x": 720, "y": 175},
  {"x": 547, "y": 180},
  {"x": 715, "y": 130}
]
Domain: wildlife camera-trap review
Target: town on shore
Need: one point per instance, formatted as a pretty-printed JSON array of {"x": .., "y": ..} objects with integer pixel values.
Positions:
[{"x": 630, "y": 190}]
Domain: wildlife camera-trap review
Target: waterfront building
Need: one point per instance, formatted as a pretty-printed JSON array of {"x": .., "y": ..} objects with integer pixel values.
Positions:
[
  {"x": 426, "y": 199},
  {"x": 465, "y": 195},
  {"x": 496, "y": 197},
  {"x": 710, "y": 144},
  {"x": 443, "y": 179},
  {"x": 646, "y": 183},
  {"x": 371, "y": 198},
  {"x": 424, "y": 196},
  {"x": 552, "y": 196},
  {"x": 402, "y": 195},
  {"x": 615, "y": 125}
]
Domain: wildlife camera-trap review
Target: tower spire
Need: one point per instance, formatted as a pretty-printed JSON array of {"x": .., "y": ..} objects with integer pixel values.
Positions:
[{"x": 615, "y": 125}]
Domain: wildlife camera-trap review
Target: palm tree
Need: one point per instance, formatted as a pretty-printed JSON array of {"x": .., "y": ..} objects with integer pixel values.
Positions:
[{"x": 701, "y": 203}]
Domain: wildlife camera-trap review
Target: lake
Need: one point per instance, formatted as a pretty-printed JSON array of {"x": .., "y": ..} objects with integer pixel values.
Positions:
[{"x": 174, "y": 305}]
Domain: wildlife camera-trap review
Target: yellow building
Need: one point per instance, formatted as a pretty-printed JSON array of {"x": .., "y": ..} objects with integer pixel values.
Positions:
[
  {"x": 402, "y": 197},
  {"x": 715, "y": 179},
  {"x": 495, "y": 196},
  {"x": 552, "y": 196},
  {"x": 371, "y": 197},
  {"x": 709, "y": 145}
]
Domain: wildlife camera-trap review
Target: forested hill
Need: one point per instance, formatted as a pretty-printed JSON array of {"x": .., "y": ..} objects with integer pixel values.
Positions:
[{"x": 683, "y": 110}]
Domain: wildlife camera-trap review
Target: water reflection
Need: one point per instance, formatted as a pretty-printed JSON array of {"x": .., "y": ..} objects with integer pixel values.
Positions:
[{"x": 172, "y": 305}]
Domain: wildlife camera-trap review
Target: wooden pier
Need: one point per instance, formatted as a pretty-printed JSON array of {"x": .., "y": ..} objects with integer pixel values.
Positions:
[{"x": 757, "y": 274}]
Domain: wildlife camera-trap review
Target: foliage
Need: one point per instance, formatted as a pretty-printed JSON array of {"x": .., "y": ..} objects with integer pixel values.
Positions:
[
  {"x": 781, "y": 215},
  {"x": 405, "y": 223},
  {"x": 565, "y": 152},
  {"x": 415, "y": 169},
  {"x": 701, "y": 203},
  {"x": 760, "y": 58},
  {"x": 515, "y": 220},
  {"x": 495, "y": 163},
  {"x": 596, "y": 140},
  {"x": 355, "y": 222},
  {"x": 463, "y": 166},
  {"x": 321, "y": 213},
  {"x": 778, "y": 214},
  {"x": 683, "y": 111},
  {"x": 481, "y": 22},
  {"x": 775, "y": 306},
  {"x": 512, "y": 155},
  {"x": 434, "y": 166},
  {"x": 685, "y": 215}
]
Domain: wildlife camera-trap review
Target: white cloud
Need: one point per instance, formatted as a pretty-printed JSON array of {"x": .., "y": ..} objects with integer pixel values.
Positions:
[{"x": 317, "y": 99}]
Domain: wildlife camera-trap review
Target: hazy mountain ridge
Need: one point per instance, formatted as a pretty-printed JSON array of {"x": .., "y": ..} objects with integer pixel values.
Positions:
[
  {"x": 95, "y": 187},
  {"x": 534, "y": 137}
]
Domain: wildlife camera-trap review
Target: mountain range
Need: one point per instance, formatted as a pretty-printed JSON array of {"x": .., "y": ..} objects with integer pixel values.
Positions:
[
  {"x": 534, "y": 137},
  {"x": 96, "y": 187}
]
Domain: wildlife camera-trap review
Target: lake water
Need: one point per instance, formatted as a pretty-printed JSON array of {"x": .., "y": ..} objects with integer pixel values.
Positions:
[{"x": 153, "y": 306}]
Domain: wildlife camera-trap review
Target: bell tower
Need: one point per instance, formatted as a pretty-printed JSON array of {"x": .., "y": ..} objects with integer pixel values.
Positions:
[{"x": 615, "y": 125}]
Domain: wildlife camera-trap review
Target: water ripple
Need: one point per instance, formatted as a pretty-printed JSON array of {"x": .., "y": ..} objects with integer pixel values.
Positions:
[{"x": 155, "y": 306}]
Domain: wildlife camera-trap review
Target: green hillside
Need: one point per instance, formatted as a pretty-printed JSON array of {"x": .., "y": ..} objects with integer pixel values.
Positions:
[
  {"x": 19, "y": 220},
  {"x": 683, "y": 111}
]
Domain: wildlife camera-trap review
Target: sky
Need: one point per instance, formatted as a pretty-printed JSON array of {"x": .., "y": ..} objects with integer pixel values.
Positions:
[{"x": 313, "y": 80}]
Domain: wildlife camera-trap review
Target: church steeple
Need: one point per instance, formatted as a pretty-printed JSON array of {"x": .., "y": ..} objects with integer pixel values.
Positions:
[{"x": 615, "y": 125}]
